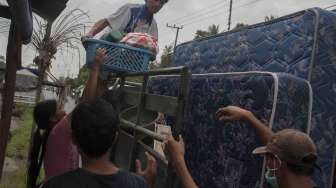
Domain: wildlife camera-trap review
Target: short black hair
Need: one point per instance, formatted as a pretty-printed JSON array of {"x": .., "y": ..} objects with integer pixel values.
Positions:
[
  {"x": 94, "y": 127},
  {"x": 43, "y": 112}
]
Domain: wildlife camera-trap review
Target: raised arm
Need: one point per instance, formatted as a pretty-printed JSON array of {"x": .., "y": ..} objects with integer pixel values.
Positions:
[
  {"x": 91, "y": 84},
  {"x": 175, "y": 151},
  {"x": 97, "y": 27},
  {"x": 234, "y": 113}
]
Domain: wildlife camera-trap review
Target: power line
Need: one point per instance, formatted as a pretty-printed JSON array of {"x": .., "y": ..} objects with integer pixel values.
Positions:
[
  {"x": 198, "y": 16},
  {"x": 235, "y": 8},
  {"x": 195, "y": 16},
  {"x": 212, "y": 15},
  {"x": 197, "y": 11},
  {"x": 334, "y": 5}
]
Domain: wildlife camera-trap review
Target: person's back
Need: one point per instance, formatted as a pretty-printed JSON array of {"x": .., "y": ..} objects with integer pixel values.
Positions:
[
  {"x": 84, "y": 178},
  {"x": 94, "y": 126}
]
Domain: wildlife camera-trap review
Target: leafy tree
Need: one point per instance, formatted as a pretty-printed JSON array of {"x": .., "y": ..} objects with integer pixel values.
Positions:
[
  {"x": 240, "y": 25},
  {"x": 212, "y": 30},
  {"x": 166, "y": 57},
  {"x": 269, "y": 18},
  {"x": 80, "y": 80}
]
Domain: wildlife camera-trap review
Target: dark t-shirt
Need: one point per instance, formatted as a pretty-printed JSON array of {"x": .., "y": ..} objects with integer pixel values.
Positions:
[{"x": 83, "y": 179}]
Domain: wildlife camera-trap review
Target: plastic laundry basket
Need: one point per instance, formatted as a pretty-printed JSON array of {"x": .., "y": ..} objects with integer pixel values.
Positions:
[{"x": 119, "y": 57}]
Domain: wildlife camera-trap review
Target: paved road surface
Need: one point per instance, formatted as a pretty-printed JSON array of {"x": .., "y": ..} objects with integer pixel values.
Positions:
[{"x": 69, "y": 103}]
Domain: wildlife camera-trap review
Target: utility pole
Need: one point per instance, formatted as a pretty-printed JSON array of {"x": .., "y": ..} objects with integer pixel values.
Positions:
[
  {"x": 230, "y": 14},
  {"x": 177, "y": 32}
]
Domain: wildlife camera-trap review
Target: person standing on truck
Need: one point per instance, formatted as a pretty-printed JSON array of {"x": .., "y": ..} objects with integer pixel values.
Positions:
[
  {"x": 290, "y": 154},
  {"x": 131, "y": 18}
]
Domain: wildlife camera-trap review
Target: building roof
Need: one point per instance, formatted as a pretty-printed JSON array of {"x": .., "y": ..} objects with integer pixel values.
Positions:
[{"x": 25, "y": 72}]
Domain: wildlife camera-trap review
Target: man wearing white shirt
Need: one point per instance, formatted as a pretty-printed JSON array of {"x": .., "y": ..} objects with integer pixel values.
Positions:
[{"x": 131, "y": 18}]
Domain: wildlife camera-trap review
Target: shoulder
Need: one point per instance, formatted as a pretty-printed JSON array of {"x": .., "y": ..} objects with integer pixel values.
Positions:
[
  {"x": 133, "y": 180},
  {"x": 154, "y": 29},
  {"x": 65, "y": 180},
  {"x": 134, "y": 5},
  {"x": 154, "y": 21},
  {"x": 64, "y": 121},
  {"x": 62, "y": 126}
]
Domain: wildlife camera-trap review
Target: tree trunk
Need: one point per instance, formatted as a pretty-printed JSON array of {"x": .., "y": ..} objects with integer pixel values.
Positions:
[{"x": 42, "y": 72}]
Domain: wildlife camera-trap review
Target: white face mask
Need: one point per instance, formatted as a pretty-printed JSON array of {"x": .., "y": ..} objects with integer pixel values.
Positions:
[
  {"x": 270, "y": 174},
  {"x": 271, "y": 179}
]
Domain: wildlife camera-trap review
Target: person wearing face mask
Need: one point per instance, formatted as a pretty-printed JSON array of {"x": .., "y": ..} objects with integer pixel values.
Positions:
[
  {"x": 290, "y": 159},
  {"x": 131, "y": 18},
  {"x": 290, "y": 154}
]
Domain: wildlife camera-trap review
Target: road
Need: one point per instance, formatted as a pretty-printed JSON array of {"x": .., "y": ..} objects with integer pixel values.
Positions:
[{"x": 69, "y": 104}]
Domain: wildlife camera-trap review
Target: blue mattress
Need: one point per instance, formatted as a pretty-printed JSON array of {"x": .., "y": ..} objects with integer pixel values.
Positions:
[
  {"x": 302, "y": 44},
  {"x": 218, "y": 154}
]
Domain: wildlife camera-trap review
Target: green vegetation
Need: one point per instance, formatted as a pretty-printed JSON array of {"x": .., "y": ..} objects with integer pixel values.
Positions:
[
  {"x": 212, "y": 30},
  {"x": 17, "y": 148},
  {"x": 15, "y": 180},
  {"x": 19, "y": 142}
]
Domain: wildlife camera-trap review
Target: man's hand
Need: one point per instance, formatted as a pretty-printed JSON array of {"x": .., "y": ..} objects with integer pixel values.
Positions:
[
  {"x": 174, "y": 149},
  {"x": 231, "y": 113},
  {"x": 149, "y": 174},
  {"x": 87, "y": 36},
  {"x": 100, "y": 57}
]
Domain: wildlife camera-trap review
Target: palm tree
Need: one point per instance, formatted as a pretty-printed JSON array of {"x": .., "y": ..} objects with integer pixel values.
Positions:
[
  {"x": 49, "y": 38},
  {"x": 269, "y": 18},
  {"x": 61, "y": 36},
  {"x": 213, "y": 29}
]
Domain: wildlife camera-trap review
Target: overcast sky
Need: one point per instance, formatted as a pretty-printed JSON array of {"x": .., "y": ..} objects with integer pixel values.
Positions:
[{"x": 192, "y": 14}]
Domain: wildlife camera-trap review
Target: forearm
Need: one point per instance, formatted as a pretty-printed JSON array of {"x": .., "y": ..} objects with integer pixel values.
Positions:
[
  {"x": 263, "y": 131},
  {"x": 91, "y": 84},
  {"x": 184, "y": 175},
  {"x": 98, "y": 26}
]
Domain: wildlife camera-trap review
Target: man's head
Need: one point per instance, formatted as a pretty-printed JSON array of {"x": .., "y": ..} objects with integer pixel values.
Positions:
[
  {"x": 154, "y": 6},
  {"x": 94, "y": 126},
  {"x": 289, "y": 152},
  {"x": 48, "y": 113}
]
